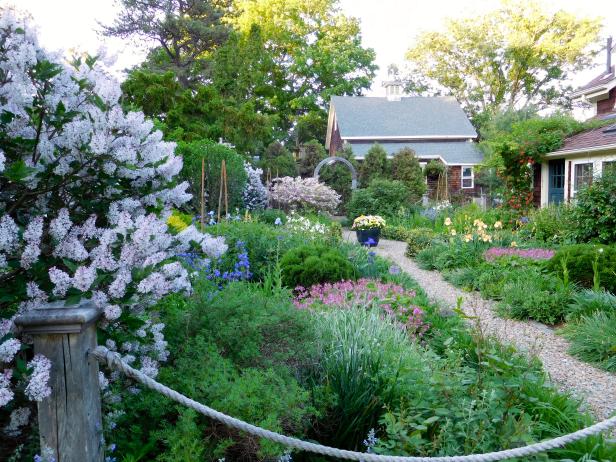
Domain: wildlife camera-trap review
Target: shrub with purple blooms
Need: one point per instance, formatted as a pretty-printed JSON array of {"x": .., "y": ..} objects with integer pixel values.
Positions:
[
  {"x": 393, "y": 299},
  {"x": 85, "y": 190},
  {"x": 533, "y": 254}
]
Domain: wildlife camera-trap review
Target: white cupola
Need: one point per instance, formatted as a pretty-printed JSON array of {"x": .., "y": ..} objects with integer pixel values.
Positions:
[{"x": 393, "y": 85}]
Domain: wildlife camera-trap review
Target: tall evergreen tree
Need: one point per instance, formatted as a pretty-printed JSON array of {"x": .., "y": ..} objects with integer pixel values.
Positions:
[
  {"x": 405, "y": 168},
  {"x": 374, "y": 165}
]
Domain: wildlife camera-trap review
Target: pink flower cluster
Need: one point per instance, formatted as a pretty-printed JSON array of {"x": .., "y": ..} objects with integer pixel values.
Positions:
[
  {"x": 534, "y": 254},
  {"x": 394, "y": 300},
  {"x": 292, "y": 193}
]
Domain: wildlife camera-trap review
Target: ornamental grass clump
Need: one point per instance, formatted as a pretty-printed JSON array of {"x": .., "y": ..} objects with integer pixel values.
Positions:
[
  {"x": 365, "y": 222},
  {"x": 394, "y": 300}
]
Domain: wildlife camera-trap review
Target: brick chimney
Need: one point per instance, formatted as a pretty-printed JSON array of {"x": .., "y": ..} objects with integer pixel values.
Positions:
[{"x": 609, "y": 55}]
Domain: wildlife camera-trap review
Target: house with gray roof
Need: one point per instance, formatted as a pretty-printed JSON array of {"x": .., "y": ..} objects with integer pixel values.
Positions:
[{"x": 436, "y": 128}]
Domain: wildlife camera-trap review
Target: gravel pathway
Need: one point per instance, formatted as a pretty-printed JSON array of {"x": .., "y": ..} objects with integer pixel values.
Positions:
[{"x": 596, "y": 387}]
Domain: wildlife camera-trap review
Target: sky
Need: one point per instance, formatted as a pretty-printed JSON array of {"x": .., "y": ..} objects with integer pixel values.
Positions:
[{"x": 388, "y": 26}]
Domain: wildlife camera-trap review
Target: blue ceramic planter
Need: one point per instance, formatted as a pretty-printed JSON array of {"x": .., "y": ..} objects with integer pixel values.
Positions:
[{"x": 368, "y": 237}]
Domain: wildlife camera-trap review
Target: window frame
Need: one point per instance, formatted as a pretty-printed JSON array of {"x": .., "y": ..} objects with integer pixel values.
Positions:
[
  {"x": 612, "y": 166},
  {"x": 574, "y": 186},
  {"x": 463, "y": 177}
]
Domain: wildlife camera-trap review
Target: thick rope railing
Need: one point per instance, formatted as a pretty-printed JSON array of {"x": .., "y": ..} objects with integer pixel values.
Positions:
[{"x": 115, "y": 362}]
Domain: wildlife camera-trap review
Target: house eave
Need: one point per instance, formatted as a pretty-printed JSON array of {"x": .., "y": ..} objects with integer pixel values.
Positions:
[
  {"x": 607, "y": 147},
  {"x": 405, "y": 138}
]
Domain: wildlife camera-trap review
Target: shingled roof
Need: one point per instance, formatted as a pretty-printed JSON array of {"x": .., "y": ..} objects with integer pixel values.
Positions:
[
  {"x": 452, "y": 152},
  {"x": 603, "y": 79},
  {"x": 411, "y": 117},
  {"x": 592, "y": 139}
]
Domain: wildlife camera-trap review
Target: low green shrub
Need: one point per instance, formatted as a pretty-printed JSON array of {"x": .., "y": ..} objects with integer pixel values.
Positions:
[
  {"x": 587, "y": 302},
  {"x": 269, "y": 216},
  {"x": 465, "y": 278},
  {"x": 427, "y": 258},
  {"x": 550, "y": 224},
  {"x": 593, "y": 339},
  {"x": 542, "y": 297},
  {"x": 395, "y": 233},
  {"x": 418, "y": 239},
  {"x": 314, "y": 264},
  {"x": 381, "y": 197},
  {"x": 579, "y": 261}
]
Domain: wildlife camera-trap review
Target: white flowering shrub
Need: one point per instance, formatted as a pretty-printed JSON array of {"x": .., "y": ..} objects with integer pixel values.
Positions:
[
  {"x": 85, "y": 190},
  {"x": 303, "y": 193},
  {"x": 255, "y": 193},
  {"x": 302, "y": 225}
]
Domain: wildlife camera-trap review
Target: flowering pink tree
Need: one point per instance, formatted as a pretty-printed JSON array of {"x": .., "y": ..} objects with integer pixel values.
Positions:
[
  {"x": 303, "y": 193},
  {"x": 85, "y": 189}
]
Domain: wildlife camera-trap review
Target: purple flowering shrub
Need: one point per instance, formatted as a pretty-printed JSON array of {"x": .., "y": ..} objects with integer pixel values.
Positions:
[
  {"x": 85, "y": 191},
  {"x": 303, "y": 193},
  {"x": 533, "y": 254},
  {"x": 394, "y": 300}
]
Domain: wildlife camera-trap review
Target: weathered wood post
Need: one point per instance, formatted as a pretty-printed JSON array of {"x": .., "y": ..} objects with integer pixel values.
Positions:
[{"x": 70, "y": 419}]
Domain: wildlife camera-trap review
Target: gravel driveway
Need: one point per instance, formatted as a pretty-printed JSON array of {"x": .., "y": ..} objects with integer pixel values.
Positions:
[{"x": 596, "y": 387}]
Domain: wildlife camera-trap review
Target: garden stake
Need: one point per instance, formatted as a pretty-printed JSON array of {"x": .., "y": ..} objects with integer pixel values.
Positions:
[{"x": 202, "y": 193}]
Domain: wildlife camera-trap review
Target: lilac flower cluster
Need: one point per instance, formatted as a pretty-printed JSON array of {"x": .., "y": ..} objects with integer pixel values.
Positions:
[
  {"x": 533, "y": 254},
  {"x": 394, "y": 300},
  {"x": 94, "y": 157}
]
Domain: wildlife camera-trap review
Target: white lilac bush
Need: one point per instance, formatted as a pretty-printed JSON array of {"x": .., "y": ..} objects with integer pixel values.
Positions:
[
  {"x": 255, "y": 193},
  {"x": 85, "y": 190},
  {"x": 303, "y": 193}
]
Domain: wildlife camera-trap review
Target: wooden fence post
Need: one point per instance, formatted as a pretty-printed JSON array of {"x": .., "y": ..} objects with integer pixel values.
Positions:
[{"x": 70, "y": 421}]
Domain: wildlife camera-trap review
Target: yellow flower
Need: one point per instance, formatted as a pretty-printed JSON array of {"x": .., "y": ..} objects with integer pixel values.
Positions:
[
  {"x": 486, "y": 238},
  {"x": 468, "y": 237},
  {"x": 447, "y": 221},
  {"x": 453, "y": 232},
  {"x": 498, "y": 225},
  {"x": 514, "y": 244}
]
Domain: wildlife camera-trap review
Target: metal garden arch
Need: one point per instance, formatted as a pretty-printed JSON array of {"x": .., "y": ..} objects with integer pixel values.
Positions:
[{"x": 333, "y": 160}]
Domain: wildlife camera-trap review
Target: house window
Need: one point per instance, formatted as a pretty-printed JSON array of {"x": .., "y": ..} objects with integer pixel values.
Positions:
[
  {"x": 468, "y": 178},
  {"x": 583, "y": 175},
  {"x": 609, "y": 167}
]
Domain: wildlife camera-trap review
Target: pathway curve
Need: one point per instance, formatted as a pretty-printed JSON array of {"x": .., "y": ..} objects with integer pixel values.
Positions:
[{"x": 596, "y": 387}]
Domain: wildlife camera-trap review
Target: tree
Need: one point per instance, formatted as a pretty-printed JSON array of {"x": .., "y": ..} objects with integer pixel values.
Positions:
[
  {"x": 185, "y": 33},
  {"x": 316, "y": 47},
  {"x": 374, "y": 165},
  {"x": 312, "y": 153},
  {"x": 513, "y": 57},
  {"x": 277, "y": 161},
  {"x": 405, "y": 168}
]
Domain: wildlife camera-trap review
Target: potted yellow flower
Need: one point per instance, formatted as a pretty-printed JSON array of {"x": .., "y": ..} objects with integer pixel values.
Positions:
[{"x": 368, "y": 229}]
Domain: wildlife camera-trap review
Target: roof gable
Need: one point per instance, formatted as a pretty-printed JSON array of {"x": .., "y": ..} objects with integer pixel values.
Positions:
[{"x": 415, "y": 117}]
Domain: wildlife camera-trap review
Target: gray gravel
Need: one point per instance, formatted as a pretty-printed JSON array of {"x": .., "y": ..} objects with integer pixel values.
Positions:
[{"x": 597, "y": 388}]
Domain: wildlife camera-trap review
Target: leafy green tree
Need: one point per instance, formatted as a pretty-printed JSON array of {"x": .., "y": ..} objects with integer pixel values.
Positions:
[
  {"x": 312, "y": 153},
  {"x": 185, "y": 33},
  {"x": 278, "y": 161},
  {"x": 515, "y": 56},
  {"x": 405, "y": 168},
  {"x": 315, "y": 46},
  {"x": 374, "y": 165}
]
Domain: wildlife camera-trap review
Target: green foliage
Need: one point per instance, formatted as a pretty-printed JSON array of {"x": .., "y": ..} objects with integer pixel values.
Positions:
[
  {"x": 537, "y": 296},
  {"x": 364, "y": 378},
  {"x": 269, "y": 216},
  {"x": 374, "y": 165},
  {"x": 552, "y": 224},
  {"x": 313, "y": 152},
  {"x": 405, "y": 168},
  {"x": 434, "y": 168},
  {"x": 339, "y": 177},
  {"x": 395, "y": 232},
  {"x": 587, "y": 302},
  {"x": 594, "y": 213},
  {"x": 579, "y": 261},
  {"x": 277, "y": 161},
  {"x": 487, "y": 66},
  {"x": 214, "y": 154},
  {"x": 418, "y": 239},
  {"x": 382, "y": 197},
  {"x": 314, "y": 264},
  {"x": 256, "y": 379},
  {"x": 593, "y": 338}
]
